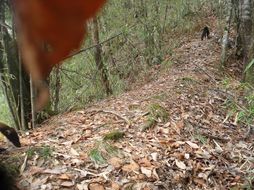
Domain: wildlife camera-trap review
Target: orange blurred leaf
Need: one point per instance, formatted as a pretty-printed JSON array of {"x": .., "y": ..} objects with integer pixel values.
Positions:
[{"x": 49, "y": 30}]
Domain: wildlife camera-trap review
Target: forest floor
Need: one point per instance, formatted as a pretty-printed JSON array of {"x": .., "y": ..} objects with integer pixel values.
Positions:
[{"x": 173, "y": 133}]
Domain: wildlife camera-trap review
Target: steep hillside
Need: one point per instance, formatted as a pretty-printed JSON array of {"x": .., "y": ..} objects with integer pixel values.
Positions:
[{"x": 173, "y": 133}]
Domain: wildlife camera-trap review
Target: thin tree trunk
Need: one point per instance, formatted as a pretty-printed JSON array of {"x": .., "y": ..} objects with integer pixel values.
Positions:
[
  {"x": 98, "y": 57},
  {"x": 165, "y": 18},
  {"x": 225, "y": 35},
  {"x": 33, "y": 112},
  {"x": 244, "y": 28},
  {"x": 246, "y": 34},
  {"x": 21, "y": 98},
  {"x": 57, "y": 88}
]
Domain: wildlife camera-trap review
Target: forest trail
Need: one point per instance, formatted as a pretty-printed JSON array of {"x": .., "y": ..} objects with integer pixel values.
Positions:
[{"x": 195, "y": 147}]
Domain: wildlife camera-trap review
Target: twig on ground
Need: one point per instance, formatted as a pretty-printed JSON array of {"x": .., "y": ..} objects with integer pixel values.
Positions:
[
  {"x": 111, "y": 112},
  {"x": 224, "y": 140}
]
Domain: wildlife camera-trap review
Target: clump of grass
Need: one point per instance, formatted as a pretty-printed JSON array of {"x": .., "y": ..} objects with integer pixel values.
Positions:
[
  {"x": 133, "y": 106},
  {"x": 158, "y": 112},
  {"x": 161, "y": 96},
  {"x": 249, "y": 181},
  {"x": 43, "y": 151},
  {"x": 103, "y": 151},
  {"x": 201, "y": 138},
  {"x": 188, "y": 79},
  {"x": 149, "y": 123},
  {"x": 114, "y": 135},
  {"x": 96, "y": 156},
  {"x": 110, "y": 150},
  {"x": 166, "y": 65}
]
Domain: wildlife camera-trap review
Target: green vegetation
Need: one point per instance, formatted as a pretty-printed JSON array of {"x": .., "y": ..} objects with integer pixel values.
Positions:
[
  {"x": 139, "y": 39},
  {"x": 242, "y": 110},
  {"x": 102, "y": 151},
  {"x": 43, "y": 151},
  {"x": 246, "y": 113},
  {"x": 149, "y": 123},
  {"x": 163, "y": 96},
  {"x": 156, "y": 113},
  {"x": 114, "y": 135},
  {"x": 135, "y": 36},
  {"x": 96, "y": 156},
  {"x": 4, "y": 110},
  {"x": 226, "y": 82},
  {"x": 188, "y": 79},
  {"x": 201, "y": 139}
]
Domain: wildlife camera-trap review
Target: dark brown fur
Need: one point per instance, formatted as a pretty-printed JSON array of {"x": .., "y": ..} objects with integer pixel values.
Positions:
[
  {"x": 10, "y": 134},
  {"x": 205, "y": 33},
  {"x": 7, "y": 179}
]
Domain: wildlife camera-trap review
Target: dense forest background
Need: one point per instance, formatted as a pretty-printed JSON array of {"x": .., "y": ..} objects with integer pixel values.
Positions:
[{"x": 133, "y": 37}]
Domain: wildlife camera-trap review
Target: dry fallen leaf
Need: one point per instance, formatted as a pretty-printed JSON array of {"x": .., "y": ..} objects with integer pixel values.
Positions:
[
  {"x": 35, "y": 170},
  {"x": 67, "y": 184},
  {"x": 146, "y": 171},
  {"x": 64, "y": 177},
  {"x": 145, "y": 162},
  {"x": 192, "y": 145},
  {"x": 38, "y": 182},
  {"x": 74, "y": 152},
  {"x": 116, "y": 162},
  {"x": 203, "y": 154},
  {"x": 199, "y": 181},
  {"x": 95, "y": 186},
  {"x": 155, "y": 174},
  {"x": 154, "y": 156},
  {"x": 144, "y": 186},
  {"x": 132, "y": 167},
  {"x": 115, "y": 186},
  {"x": 56, "y": 170},
  {"x": 180, "y": 165},
  {"x": 82, "y": 186}
]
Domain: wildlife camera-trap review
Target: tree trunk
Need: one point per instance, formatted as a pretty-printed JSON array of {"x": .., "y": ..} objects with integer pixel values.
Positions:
[
  {"x": 245, "y": 32},
  {"x": 57, "y": 88},
  {"x": 98, "y": 57},
  {"x": 244, "y": 29},
  {"x": 33, "y": 112},
  {"x": 225, "y": 35},
  {"x": 10, "y": 75}
]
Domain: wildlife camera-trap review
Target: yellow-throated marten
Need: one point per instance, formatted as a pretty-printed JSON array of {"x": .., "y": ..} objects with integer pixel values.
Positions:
[
  {"x": 7, "y": 180},
  {"x": 205, "y": 33},
  {"x": 10, "y": 134}
]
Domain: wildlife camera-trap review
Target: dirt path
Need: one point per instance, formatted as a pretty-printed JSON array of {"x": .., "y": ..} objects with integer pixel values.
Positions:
[{"x": 195, "y": 147}]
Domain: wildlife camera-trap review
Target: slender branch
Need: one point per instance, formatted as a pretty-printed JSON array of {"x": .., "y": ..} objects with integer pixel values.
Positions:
[
  {"x": 93, "y": 46},
  {"x": 76, "y": 72},
  {"x": 111, "y": 112}
]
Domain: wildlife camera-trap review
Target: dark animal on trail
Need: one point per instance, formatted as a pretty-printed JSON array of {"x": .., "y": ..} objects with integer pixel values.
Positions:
[
  {"x": 10, "y": 134},
  {"x": 205, "y": 33},
  {"x": 7, "y": 179}
]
